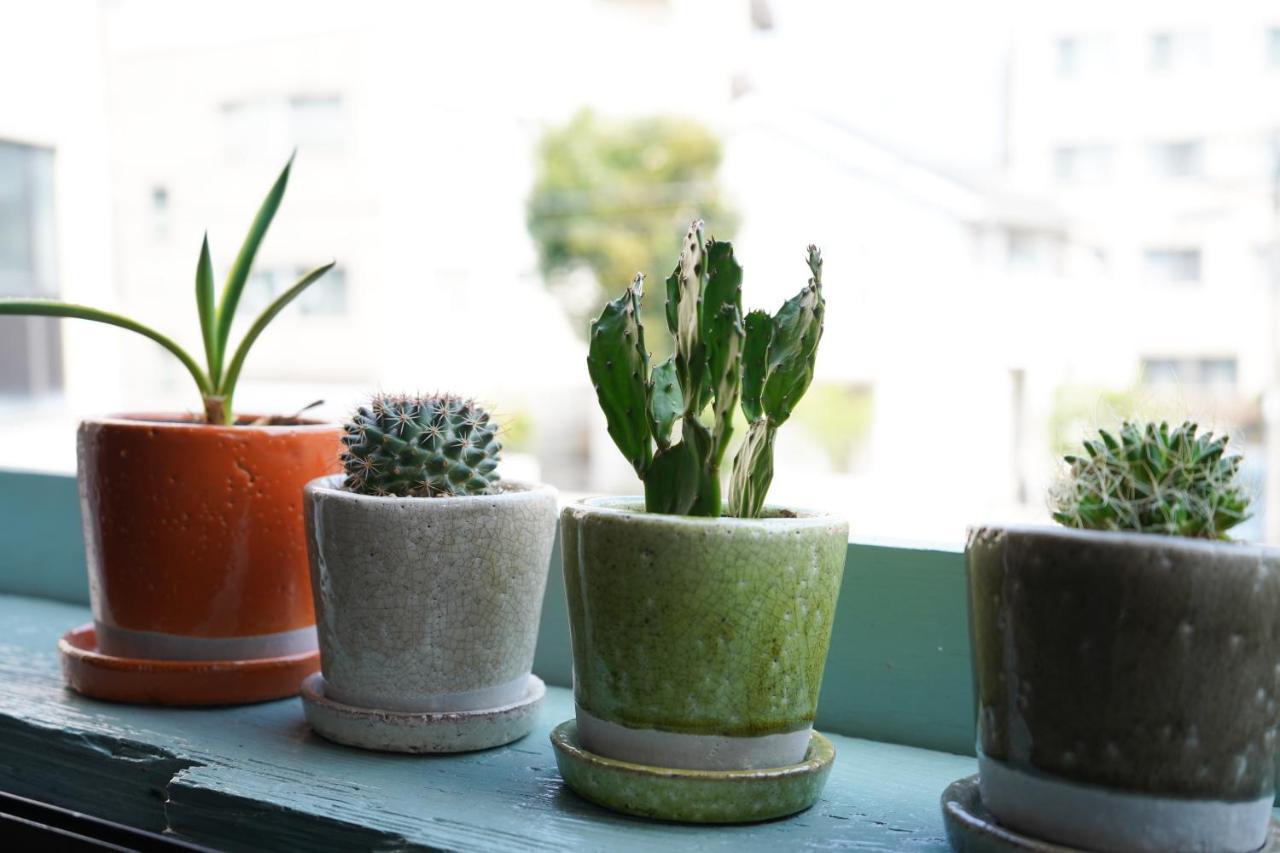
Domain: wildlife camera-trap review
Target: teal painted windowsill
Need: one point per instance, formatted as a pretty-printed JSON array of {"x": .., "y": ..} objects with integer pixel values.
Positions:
[
  {"x": 896, "y": 701},
  {"x": 255, "y": 777}
]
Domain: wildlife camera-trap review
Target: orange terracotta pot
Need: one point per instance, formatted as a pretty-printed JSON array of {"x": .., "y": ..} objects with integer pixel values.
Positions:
[{"x": 194, "y": 536}]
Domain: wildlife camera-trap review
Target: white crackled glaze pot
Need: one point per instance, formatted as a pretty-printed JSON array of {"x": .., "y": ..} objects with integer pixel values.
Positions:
[{"x": 428, "y": 605}]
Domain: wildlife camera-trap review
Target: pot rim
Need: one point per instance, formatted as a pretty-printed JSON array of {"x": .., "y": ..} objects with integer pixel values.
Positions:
[
  {"x": 331, "y": 485},
  {"x": 178, "y": 421},
  {"x": 1123, "y": 539},
  {"x": 609, "y": 506}
]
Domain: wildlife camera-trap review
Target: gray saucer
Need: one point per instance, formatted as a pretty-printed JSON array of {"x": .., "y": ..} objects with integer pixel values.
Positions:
[
  {"x": 972, "y": 829},
  {"x": 406, "y": 731}
]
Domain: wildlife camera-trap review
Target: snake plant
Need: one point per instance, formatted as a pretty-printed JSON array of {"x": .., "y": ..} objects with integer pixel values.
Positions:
[{"x": 217, "y": 378}]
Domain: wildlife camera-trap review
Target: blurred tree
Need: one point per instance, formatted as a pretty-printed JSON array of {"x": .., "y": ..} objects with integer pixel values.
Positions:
[
  {"x": 613, "y": 198},
  {"x": 838, "y": 418},
  {"x": 1079, "y": 411}
]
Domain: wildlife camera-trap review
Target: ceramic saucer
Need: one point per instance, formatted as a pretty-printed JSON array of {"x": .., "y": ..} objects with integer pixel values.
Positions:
[
  {"x": 972, "y": 829},
  {"x": 693, "y": 796},
  {"x": 178, "y": 682},
  {"x": 408, "y": 731}
]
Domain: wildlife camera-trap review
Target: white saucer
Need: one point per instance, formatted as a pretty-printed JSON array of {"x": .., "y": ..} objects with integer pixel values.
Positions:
[{"x": 407, "y": 731}]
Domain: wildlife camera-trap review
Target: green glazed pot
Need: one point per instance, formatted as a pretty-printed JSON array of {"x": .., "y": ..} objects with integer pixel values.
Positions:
[
  {"x": 699, "y": 643},
  {"x": 1127, "y": 686}
]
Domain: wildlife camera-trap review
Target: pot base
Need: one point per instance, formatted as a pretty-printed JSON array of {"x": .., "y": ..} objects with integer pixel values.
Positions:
[
  {"x": 973, "y": 829},
  {"x": 429, "y": 731},
  {"x": 693, "y": 796},
  {"x": 178, "y": 682}
]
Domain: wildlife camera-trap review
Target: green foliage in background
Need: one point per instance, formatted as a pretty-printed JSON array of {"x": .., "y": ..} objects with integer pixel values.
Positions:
[
  {"x": 1153, "y": 479},
  {"x": 217, "y": 379},
  {"x": 518, "y": 431},
  {"x": 614, "y": 196},
  {"x": 1077, "y": 408},
  {"x": 838, "y": 418}
]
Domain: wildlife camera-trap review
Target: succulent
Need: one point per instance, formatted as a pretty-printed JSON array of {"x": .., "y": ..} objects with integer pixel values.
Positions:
[
  {"x": 217, "y": 379},
  {"x": 1153, "y": 479},
  {"x": 721, "y": 357},
  {"x": 420, "y": 447}
]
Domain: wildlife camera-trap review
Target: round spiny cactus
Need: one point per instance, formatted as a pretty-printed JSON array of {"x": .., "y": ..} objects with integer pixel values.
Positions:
[
  {"x": 423, "y": 447},
  {"x": 1153, "y": 479}
]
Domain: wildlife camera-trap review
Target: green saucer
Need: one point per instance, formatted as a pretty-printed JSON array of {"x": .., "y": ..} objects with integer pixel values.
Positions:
[{"x": 693, "y": 796}]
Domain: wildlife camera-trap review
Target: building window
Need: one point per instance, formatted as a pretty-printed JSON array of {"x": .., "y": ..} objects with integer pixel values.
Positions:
[
  {"x": 1079, "y": 55},
  {"x": 1178, "y": 51},
  {"x": 1082, "y": 164},
  {"x": 326, "y": 297},
  {"x": 1182, "y": 159},
  {"x": 30, "y": 347},
  {"x": 1172, "y": 265},
  {"x": 265, "y": 126},
  {"x": 1273, "y": 47},
  {"x": 1214, "y": 373},
  {"x": 1033, "y": 251},
  {"x": 318, "y": 121}
]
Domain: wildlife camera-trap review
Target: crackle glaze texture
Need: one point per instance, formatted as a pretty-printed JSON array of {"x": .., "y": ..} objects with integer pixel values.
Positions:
[
  {"x": 1133, "y": 661},
  {"x": 700, "y": 626},
  {"x": 195, "y": 530},
  {"x": 417, "y": 597}
]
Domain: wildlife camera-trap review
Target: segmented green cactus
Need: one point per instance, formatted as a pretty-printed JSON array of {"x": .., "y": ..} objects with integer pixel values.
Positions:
[
  {"x": 1153, "y": 479},
  {"x": 764, "y": 361},
  {"x": 423, "y": 447}
]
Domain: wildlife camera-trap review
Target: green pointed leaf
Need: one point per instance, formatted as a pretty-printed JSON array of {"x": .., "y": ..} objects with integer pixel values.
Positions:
[
  {"x": 239, "y": 273},
  {"x": 228, "y": 385},
  {"x": 54, "y": 308},
  {"x": 205, "y": 304}
]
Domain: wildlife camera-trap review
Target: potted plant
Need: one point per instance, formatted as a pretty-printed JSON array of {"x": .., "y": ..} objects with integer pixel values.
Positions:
[
  {"x": 195, "y": 549},
  {"x": 700, "y": 627},
  {"x": 1127, "y": 663},
  {"x": 428, "y": 573}
]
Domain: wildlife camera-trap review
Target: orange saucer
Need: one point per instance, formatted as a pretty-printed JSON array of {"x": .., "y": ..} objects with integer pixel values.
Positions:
[{"x": 178, "y": 682}]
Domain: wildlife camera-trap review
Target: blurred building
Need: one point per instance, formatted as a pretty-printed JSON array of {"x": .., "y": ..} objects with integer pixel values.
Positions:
[
  {"x": 1155, "y": 128},
  {"x": 1016, "y": 224}
]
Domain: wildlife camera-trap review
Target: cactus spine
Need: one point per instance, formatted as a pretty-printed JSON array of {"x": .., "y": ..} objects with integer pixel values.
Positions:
[
  {"x": 765, "y": 362},
  {"x": 1153, "y": 479},
  {"x": 424, "y": 447}
]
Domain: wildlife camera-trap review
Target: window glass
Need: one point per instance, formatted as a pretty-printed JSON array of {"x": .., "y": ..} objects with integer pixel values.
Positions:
[
  {"x": 1180, "y": 159},
  {"x": 1039, "y": 219},
  {"x": 1178, "y": 50},
  {"x": 30, "y": 349},
  {"x": 1082, "y": 164},
  {"x": 1172, "y": 265}
]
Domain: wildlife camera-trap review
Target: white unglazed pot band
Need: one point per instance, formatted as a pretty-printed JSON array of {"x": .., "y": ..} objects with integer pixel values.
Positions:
[
  {"x": 690, "y": 752},
  {"x": 1098, "y": 818},
  {"x": 155, "y": 645},
  {"x": 484, "y": 699}
]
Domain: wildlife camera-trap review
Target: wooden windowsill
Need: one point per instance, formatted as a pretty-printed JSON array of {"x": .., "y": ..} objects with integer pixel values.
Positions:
[{"x": 255, "y": 776}]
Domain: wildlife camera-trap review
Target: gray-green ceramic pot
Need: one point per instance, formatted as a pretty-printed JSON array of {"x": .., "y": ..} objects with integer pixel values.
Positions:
[
  {"x": 699, "y": 643},
  {"x": 428, "y": 604},
  {"x": 1126, "y": 686}
]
